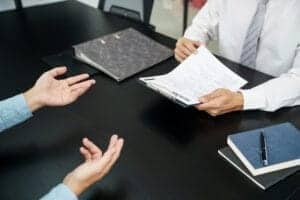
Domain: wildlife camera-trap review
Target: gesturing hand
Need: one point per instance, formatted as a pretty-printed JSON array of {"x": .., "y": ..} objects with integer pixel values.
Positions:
[
  {"x": 221, "y": 101},
  {"x": 49, "y": 91},
  {"x": 96, "y": 164}
]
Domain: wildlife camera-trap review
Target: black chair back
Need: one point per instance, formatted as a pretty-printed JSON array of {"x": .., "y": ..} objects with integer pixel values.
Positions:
[{"x": 143, "y": 14}]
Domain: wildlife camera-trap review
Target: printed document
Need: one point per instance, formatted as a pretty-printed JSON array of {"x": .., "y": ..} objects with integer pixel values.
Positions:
[{"x": 199, "y": 75}]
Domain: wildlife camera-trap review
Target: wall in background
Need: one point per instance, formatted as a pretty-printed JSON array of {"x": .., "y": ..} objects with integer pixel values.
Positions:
[
  {"x": 167, "y": 14},
  {"x": 9, "y": 4}
]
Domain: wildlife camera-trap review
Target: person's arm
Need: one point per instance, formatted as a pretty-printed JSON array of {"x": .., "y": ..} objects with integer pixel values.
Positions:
[
  {"x": 283, "y": 91},
  {"x": 13, "y": 111},
  {"x": 205, "y": 25},
  {"x": 203, "y": 29},
  {"x": 60, "y": 192},
  {"x": 272, "y": 95},
  {"x": 95, "y": 167},
  {"x": 47, "y": 91}
]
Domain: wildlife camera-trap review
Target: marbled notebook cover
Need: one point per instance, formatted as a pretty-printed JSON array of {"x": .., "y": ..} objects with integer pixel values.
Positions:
[{"x": 122, "y": 54}]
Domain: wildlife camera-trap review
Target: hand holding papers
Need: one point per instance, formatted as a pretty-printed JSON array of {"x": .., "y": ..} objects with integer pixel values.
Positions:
[{"x": 198, "y": 75}]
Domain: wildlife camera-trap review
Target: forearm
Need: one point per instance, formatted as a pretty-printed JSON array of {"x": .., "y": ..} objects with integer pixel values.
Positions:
[
  {"x": 279, "y": 92},
  {"x": 205, "y": 24},
  {"x": 13, "y": 111},
  {"x": 60, "y": 192}
]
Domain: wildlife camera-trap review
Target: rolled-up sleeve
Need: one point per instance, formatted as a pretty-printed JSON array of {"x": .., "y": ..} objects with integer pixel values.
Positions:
[
  {"x": 60, "y": 192},
  {"x": 13, "y": 111}
]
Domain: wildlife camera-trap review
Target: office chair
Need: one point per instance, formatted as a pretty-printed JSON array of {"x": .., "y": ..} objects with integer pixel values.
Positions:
[
  {"x": 18, "y": 4},
  {"x": 139, "y": 10}
]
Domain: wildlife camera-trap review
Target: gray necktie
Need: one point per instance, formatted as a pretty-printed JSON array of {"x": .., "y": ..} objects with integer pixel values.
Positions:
[{"x": 249, "y": 52}]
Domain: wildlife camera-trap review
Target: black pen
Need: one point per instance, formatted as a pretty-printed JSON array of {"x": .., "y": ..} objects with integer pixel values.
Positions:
[{"x": 264, "y": 149}]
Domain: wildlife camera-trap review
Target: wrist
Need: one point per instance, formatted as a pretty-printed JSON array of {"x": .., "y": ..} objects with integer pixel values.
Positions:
[
  {"x": 239, "y": 101},
  {"x": 75, "y": 185},
  {"x": 32, "y": 100}
]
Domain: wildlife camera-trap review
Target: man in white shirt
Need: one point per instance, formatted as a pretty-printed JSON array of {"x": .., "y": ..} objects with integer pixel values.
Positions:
[{"x": 261, "y": 34}]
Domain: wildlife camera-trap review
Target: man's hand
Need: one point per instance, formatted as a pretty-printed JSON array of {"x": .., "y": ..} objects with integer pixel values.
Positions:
[
  {"x": 96, "y": 164},
  {"x": 185, "y": 48},
  {"x": 221, "y": 101},
  {"x": 49, "y": 91}
]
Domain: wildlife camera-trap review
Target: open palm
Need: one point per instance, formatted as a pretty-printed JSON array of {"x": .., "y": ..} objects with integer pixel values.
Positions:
[
  {"x": 96, "y": 164},
  {"x": 53, "y": 92}
]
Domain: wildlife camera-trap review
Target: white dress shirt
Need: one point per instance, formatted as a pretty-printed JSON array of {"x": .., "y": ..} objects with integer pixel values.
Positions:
[{"x": 279, "y": 48}]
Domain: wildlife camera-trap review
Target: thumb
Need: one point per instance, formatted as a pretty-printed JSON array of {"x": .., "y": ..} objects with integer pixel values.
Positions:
[
  {"x": 197, "y": 43},
  {"x": 58, "y": 71}
]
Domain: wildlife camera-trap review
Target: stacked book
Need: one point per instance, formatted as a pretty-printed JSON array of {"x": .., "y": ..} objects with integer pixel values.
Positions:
[{"x": 265, "y": 156}]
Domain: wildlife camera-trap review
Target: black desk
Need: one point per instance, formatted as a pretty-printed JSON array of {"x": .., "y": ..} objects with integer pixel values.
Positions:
[{"x": 170, "y": 152}]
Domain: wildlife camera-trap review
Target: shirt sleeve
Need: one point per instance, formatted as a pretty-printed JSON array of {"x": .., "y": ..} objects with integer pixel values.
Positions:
[
  {"x": 13, "y": 111},
  {"x": 283, "y": 91},
  {"x": 60, "y": 192},
  {"x": 204, "y": 27}
]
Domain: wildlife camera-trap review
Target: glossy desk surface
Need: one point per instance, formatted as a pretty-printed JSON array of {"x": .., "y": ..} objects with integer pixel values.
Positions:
[{"x": 170, "y": 152}]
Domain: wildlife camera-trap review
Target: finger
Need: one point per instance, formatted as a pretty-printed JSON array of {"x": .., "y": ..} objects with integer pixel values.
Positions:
[
  {"x": 180, "y": 53},
  {"x": 213, "y": 113},
  {"x": 191, "y": 47},
  {"x": 213, "y": 104},
  {"x": 75, "y": 79},
  {"x": 218, "y": 112},
  {"x": 179, "y": 59},
  {"x": 210, "y": 96},
  {"x": 79, "y": 92},
  {"x": 116, "y": 155},
  {"x": 86, "y": 154},
  {"x": 84, "y": 84},
  {"x": 196, "y": 44},
  {"x": 113, "y": 141},
  {"x": 91, "y": 147},
  {"x": 119, "y": 147},
  {"x": 58, "y": 71},
  {"x": 184, "y": 50},
  {"x": 105, "y": 160},
  {"x": 181, "y": 56}
]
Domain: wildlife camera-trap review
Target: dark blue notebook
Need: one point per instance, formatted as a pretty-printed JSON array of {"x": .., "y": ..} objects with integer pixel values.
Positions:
[
  {"x": 263, "y": 181},
  {"x": 283, "y": 147}
]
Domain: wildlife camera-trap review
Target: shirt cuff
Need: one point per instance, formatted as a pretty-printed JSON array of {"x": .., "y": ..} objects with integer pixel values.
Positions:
[
  {"x": 13, "y": 111},
  {"x": 21, "y": 101},
  {"x": 189, "y": 34},
  {"x": 60, "y": 192},
  {"x": 253, "y": 100}
]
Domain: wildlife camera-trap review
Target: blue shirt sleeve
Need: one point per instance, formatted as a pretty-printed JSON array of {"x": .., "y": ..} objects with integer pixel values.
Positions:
[
  {"x": 13, "y": 111},
  {"x": 60, "y": 192}
]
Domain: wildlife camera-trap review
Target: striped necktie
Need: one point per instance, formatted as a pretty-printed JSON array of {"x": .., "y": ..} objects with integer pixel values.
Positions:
[{"x": 250, "y": 47}]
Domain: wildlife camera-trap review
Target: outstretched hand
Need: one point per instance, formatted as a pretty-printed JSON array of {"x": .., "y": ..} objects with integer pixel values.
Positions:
[
  {"x": 96, "y": 164},
  {"x": 49, "y": 91}
]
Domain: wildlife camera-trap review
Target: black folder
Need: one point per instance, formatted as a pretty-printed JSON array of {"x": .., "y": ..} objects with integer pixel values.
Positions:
[{"x": 122, "y": 54}]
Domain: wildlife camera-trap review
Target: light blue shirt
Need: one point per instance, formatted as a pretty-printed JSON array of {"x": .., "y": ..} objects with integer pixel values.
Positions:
[{"x": 14, "y": 111}]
